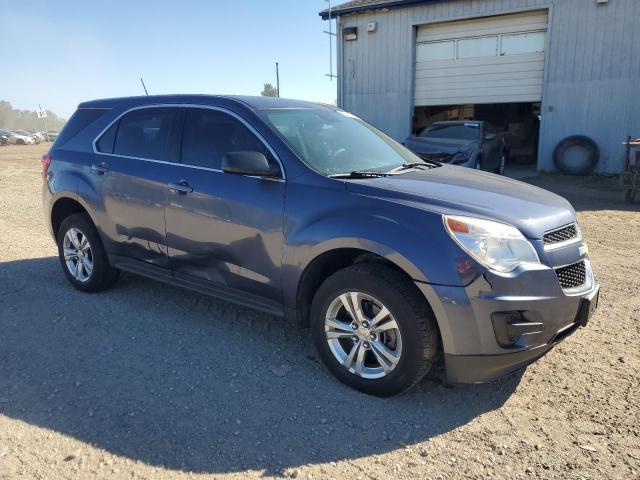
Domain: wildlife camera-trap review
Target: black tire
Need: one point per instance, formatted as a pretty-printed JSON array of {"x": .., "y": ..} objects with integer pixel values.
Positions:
[
  {"x": 416, "y": 322},
  {"x": 103, "y": 275},
  {"x": 20, "y": 142},
  {"x": 591, "y": 158},
  {"x": 479, "y": 163}
]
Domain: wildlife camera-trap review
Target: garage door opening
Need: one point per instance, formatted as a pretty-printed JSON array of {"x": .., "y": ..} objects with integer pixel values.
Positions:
[
  {"x": 489, "y": 68},
  {"x": 517, "y": 123}
]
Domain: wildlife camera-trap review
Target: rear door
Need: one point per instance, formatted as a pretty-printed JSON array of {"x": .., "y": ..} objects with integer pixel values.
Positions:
[
  {"x": 224, "y": 228},
  {"x": 135, "y": 160}
]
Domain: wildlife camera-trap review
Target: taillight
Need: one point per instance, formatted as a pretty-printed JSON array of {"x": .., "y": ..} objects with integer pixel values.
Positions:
[{"x": 45, "y": 161}]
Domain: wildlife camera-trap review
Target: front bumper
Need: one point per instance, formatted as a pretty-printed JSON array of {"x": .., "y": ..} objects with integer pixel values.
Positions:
[
  {"x": 476, "y": 348},
  {"x": 484, "y": 368}
]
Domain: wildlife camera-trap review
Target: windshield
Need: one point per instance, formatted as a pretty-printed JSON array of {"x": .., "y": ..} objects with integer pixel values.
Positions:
[
  {"x": 335, "y": 142},
  {"x": 458, "y": 131}
]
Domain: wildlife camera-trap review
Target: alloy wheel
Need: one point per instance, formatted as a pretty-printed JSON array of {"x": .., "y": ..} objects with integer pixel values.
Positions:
[
  {"x": 363, "y": 335},
  {"x": 78, "y": 255}
]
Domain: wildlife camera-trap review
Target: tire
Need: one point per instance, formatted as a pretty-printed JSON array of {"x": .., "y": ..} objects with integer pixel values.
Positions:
[
  {"x": 592, "y": 155},
  {"x": 479, "y": 163},
  {"x": 416, "y": 345},
  {"x": 20, "y": 142},
  {"x": 102, "y": 275}
]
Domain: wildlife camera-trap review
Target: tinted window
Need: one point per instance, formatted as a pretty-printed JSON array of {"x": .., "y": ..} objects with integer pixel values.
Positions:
[
  {"x": 145, "y": 133},
  {"x": 105, "y": 143},
  {"x": 210, "y": 134},
  {"x": 82, "y": 118},
  {"x": 457, "y": 131}
]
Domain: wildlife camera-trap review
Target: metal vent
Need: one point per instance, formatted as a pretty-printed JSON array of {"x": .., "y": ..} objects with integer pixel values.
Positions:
[
  {"x": 560, "y": 235},
  {"x": 572, "y": 276}
]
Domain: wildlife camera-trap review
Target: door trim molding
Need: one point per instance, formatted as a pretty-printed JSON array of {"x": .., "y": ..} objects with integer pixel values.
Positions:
[{"x": 223, "y": 292}]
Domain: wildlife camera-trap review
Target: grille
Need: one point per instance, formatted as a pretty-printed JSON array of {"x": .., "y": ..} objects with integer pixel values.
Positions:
[
  {"x": 435, "y": 156},
  {"x": 572, "y": 276},
  {"x": 560, "y": 235}
]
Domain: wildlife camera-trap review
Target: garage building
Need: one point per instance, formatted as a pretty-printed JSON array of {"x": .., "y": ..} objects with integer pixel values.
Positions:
[{"x": 539, "y": 70}]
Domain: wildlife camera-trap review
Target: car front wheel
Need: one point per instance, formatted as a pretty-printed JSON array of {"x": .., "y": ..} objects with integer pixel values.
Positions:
[{"x": 373, "y": 330}]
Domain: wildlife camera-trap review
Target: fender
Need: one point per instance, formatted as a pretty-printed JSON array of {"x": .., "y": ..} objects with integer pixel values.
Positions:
[
  {"x": 427, "y": 260},
  {"x": 73, "y": 183}
]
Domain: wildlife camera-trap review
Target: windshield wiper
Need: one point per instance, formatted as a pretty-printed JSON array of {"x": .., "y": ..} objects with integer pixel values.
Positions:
[
  {"x": 359, "y": 174},
  {"x": 409, "y": 165}
]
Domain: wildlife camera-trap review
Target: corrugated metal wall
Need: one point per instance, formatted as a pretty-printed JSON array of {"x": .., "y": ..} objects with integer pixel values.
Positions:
[{"x": 592, "y": 72}]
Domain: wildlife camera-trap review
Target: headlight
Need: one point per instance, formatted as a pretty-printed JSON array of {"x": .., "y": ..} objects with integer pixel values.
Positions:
[
  {"x": 462, "y": 157},
  {"x": 498, "y": 246}
]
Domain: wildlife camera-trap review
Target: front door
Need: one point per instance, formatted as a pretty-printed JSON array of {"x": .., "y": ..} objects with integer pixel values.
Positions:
[{"x": 224, "y": 228}]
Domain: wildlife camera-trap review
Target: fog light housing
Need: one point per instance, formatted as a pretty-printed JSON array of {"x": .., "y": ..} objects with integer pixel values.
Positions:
[{"x": 508, "y": 327}]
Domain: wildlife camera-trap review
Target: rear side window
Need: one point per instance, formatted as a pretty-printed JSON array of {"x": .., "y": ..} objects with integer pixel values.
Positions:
[
  {"x": 210, "y": 134},
  {"x": 145, "y": 133},
  {"x": 81, "y": 119},
  {"x": 105, "y": 143}
]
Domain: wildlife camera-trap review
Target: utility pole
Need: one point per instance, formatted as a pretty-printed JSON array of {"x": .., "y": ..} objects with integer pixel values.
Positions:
[
  {"x": 277, "y": 80},
  {"x": 144, "y": 86},
  {"x": 331, "y": 36}
]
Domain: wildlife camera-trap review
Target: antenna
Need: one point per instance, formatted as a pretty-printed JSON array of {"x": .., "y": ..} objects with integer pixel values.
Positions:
[
  {"x": 331, "y": 35},
  {"x": 144, "y": 86},
  {"x": 277, "y": 80}
]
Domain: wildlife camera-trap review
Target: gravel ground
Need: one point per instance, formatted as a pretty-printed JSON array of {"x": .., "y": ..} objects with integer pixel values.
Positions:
[{"x": 149, "y": 381}]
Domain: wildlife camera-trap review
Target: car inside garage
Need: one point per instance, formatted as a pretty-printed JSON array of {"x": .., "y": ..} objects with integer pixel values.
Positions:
[{"x": 490, "y": 69}]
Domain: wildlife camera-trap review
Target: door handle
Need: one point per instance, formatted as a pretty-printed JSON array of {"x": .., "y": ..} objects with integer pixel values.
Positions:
[
  {"x": 180, "y": 187},
  {"x": 99, "y": 168}
]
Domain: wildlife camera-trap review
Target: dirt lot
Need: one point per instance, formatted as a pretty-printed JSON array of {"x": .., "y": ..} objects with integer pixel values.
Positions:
[{"x": 148, "y": 381}]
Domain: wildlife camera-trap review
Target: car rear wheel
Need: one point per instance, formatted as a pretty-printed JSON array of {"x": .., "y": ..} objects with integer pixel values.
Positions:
[
  {"x": 373, "y": 330},
  {"x": 82, "y": 256}
]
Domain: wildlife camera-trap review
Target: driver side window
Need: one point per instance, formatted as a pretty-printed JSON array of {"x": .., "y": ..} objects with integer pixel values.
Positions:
[{"x": 210, "y": 134}]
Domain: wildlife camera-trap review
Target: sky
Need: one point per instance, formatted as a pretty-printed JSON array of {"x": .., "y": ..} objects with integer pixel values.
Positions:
[{"x": 59, "y": 53}]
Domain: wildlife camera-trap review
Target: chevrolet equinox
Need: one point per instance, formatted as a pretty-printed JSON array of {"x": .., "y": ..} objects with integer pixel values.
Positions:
[{"x": 306, "y": 211}]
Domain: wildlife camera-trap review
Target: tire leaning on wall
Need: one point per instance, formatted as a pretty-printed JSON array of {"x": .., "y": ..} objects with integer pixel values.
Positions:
[{"x": 591, "y": 157}]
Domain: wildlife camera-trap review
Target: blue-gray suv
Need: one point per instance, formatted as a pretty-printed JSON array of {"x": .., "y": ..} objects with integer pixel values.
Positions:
[{"x": 305, "y": 211}]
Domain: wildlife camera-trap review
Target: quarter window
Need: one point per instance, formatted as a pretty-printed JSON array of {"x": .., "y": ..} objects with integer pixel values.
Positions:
[
  {"x": 105, "y": 143},
  {"x": 211, "y": 134},
  {"x": 145, "y": 133}
]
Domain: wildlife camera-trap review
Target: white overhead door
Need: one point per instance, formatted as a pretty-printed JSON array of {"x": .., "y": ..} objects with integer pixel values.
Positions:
[{"x": 487, "y": 60}]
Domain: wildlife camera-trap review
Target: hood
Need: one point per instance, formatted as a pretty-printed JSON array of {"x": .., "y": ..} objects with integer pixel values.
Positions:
[
  {"x": 444, "y": 145},
  {"x": 463, "y": 191}
]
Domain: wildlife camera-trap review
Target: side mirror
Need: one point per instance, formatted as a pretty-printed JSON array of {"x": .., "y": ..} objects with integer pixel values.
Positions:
[
  {"x": 490, "y": 136},
  {"x": 248, "y": 163}
]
